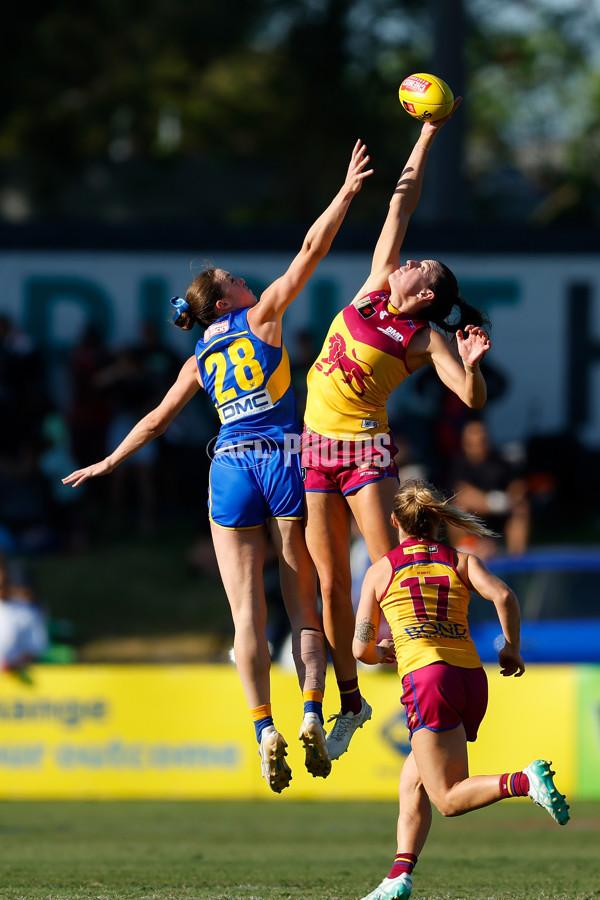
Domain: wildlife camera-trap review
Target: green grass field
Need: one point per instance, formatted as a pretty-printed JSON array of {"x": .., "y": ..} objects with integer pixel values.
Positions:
[{"x": 280, "y": 849}]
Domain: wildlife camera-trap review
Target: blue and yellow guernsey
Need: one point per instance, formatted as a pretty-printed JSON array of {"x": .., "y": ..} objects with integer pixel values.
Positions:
[
  {"x": 249, "y": 381},
  {"x": 426, "y": 605}
]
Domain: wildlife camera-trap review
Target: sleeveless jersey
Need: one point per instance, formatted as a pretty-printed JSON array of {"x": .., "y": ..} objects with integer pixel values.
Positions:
[
  {"x": 249, "y": 381},
  {"x": 363, "y": 359},
  {"x": 426, "y": 604}
]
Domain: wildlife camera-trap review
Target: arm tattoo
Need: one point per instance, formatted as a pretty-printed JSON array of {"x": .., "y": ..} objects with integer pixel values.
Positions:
[{"x": 365, "y": 631}]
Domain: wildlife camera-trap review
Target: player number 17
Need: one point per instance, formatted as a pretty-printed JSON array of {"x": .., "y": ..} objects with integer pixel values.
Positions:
[{"x": 415, "y": 585}]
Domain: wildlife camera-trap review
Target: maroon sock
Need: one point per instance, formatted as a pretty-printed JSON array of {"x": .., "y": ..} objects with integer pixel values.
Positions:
[
  {"x": 403, "y": 862},
  {"x": 350, "y": 695},
  {"x": 515, "y": 785}
]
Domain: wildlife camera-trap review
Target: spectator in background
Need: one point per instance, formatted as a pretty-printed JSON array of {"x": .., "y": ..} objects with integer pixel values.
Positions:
[
  {"x": 23, "y": 628},
  {"x": 428, "y": 418},
  {"x": 184, "y": 444},
  {"x": 25, "y": 510},
  {"x": 25, "y": 501},
  {"x": 161, "y": 364},
  {"x": 302, "y": 356},
  {"x": 90, "y": 409},
  {"x": 489, "y": 486},
  {"x": 125, "y": 381},
  {"x": 65, "y": 507},
  {"x": 21, "y": 394}
]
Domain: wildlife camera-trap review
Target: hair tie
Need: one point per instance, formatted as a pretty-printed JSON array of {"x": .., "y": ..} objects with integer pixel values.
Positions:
[{"x": 180, "y": 305}]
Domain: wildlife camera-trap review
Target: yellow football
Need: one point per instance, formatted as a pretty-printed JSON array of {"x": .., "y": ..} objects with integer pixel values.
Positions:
[{"x": 426, "y": 97}]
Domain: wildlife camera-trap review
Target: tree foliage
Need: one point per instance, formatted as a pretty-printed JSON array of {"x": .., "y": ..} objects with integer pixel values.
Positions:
[
  {"x": 534, "y": 110},
  {"x": 246, "y": 110}
]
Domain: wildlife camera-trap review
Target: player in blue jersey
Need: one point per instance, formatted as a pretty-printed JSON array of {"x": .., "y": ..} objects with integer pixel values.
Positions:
[{"x": 255, "y": 485}]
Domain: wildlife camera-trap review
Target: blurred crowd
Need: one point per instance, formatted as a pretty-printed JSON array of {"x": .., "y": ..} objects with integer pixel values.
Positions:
[
  {"x": 62, "y": 413},
  {"x": 58, "y": 416}
]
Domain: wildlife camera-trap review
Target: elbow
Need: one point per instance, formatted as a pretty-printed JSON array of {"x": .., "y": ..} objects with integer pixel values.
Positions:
[
  {"x": 316, "y": 248},
  {"x": 508, "y": 601},
  {"x": 156, "y": 425},
  {"x": 475, "y": 402},
  {"x": 365, "y": 653},
  {"x": 357, "y": 650},
  {"x": 360, "y": 651},
  {"x": 511, "y": 600}
]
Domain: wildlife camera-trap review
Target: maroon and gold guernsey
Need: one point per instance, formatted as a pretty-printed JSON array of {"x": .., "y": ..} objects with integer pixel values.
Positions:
[
  {"x": 426, "y": 604},
  {"x": 363, "y": 359}
]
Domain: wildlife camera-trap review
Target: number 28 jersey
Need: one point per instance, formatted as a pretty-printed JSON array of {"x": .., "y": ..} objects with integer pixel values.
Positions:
[
  {"x": 248, "y": 380},
  {"x": 426, "y": 605}
]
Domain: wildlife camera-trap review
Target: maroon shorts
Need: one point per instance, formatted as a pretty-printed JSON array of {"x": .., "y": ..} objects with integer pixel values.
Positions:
[
  {"x": 440, "y": 696},
  {"x": 332, "y": 466}
]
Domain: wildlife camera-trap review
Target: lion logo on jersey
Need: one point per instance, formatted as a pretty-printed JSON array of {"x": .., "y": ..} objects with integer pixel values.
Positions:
[{"x": 351, "y": 369}]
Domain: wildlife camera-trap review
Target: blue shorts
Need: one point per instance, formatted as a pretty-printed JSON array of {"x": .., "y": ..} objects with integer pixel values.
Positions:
[{"x": 248, "y": 487}]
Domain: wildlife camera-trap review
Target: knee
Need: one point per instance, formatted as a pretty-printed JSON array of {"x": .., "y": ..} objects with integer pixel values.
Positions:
[
  {"x": 336, "y": 588},
  {"x": 446, "y": 806},
  {"x": 249, "y": 621}
]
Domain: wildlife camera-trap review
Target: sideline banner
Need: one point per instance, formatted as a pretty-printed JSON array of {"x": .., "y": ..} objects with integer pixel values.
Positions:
[
  {"x": 184, "y": 732},
  {"x": 588, "y": 738},
  {"x": 117, "y": 731}
]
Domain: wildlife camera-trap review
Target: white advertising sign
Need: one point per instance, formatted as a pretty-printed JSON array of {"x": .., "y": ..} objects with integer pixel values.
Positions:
[{"x": 545, "y": 312}]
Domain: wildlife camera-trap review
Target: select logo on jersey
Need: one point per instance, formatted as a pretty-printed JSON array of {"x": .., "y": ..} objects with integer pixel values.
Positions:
[
  {"x": 217, "y": 328},
  {"x": 421, "y": 548},
  {"x": 248, "y": 405},
  {"x": 440, "y": 630},
  {"x": 391, "y": 332},
  {"x": 369, "y": 423}
]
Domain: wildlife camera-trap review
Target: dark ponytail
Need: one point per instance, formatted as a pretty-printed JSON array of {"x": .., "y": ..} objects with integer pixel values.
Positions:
[{"x": 447, "y": 296}]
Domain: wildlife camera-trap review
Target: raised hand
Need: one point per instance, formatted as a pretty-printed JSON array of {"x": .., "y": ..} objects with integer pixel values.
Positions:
[
  {"x": 433, "y": 127},
  {"x": 356, "y": 170},
  {"x": 473, "y": 343}
]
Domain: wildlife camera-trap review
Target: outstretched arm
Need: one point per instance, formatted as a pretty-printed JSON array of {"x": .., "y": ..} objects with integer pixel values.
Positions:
[
  {"x": 386, "y": 256},
  {"x": 315, "y": 246},
  {"x": 151, "y": 426}
]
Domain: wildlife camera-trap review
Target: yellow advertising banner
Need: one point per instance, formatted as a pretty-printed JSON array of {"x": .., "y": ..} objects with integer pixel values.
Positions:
[
  {"x": 184, "y": 732},
  {"x": 119, "y": 731}
]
